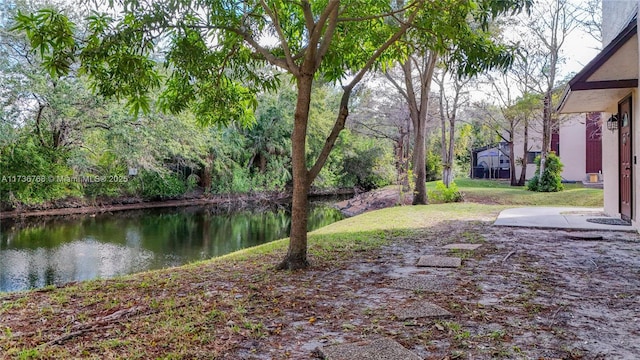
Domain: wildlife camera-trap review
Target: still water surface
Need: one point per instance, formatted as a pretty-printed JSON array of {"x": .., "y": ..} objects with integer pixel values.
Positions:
[{"x": 61, "y": 250}]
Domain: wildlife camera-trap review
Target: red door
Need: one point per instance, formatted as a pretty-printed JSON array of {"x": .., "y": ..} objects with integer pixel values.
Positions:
[
  {"x": 624, "y": 124},
  {"x": 594, "y": 143}
]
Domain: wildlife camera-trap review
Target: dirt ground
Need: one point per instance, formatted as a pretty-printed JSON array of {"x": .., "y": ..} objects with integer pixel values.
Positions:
[{"x": 525, "y": 294}]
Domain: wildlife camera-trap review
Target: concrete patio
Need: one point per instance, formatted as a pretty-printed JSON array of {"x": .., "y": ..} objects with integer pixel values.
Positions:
[{"x": 567, "y": 218}]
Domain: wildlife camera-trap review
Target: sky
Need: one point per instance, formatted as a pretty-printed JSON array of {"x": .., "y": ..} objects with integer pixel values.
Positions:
[{"x": 579, "y": 50}]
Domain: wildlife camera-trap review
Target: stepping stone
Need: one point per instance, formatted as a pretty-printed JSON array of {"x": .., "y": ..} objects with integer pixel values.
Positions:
[
  {"x": 421, "y": 310},
  {"x": 462, "y": 246},
  {"x": 439, "y": 261},
  {"x": 425, "y": 283},
  {"x": 583, "y": 236},
  {"x": 382, "y": 349}
]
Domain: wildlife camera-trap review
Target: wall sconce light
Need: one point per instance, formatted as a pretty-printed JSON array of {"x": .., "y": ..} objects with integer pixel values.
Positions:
[{"x": 612, "y": 123}]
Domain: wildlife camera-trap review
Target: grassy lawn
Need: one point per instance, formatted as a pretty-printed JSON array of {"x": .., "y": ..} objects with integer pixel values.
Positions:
[
  {"x": 501, "y": 193},
  {"x": 237, "y": 306}
]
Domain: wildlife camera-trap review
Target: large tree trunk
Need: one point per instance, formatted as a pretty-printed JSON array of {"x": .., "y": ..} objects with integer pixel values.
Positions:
[
  {"x": 419, "y": 168},
  {"x": 296, "y": 257},
  {"x": 525, "y": 151},
  {"x": 418, "y": 112},
  {"x": 546, "y": 132},
  {"x": 512, "y": 162},
  {"x": 447, "y": 175}
]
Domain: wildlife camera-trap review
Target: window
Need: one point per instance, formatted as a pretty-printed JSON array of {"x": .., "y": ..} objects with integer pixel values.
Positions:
[{"x": 531, "y": 156}]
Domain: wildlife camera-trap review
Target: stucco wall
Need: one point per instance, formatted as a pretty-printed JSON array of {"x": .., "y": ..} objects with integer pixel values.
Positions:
[
  {"x": 610, "y": 169},
  {"x": 531, "y": 171},
  {"x": 617, "y": 14},
  {"x": 534, "y": 144},
  {"x": 610, "y": 163},
  {"x": 573, "y": 147}
]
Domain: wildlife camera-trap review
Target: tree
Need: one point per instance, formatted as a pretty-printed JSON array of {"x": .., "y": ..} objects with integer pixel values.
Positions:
[
  {"x": 216, "y": 53},
  {"x": 590, "y": 18},
  {"x": 382, "y": 114},
  {"x": 451, "y": 98},
  {"x": 463, "y": 46},
  {"x": 513, "y": 112},
  {"x": 551, "y": 23},
  {"x": 417, "y": 98}
]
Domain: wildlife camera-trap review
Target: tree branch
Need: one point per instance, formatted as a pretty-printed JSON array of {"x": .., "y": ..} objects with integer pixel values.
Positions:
[
  {"x": 316, "y": 35},
  {"x": 283, "y": 40},
  {"x": 308, "y": 16},
  {"x": 397, "y": 86},
  {"x": 282, "y": 63},
  {"x": 328, "y": 36},
  {"x": 333, "y": 136},
  {"x": 344, "y": 102}
]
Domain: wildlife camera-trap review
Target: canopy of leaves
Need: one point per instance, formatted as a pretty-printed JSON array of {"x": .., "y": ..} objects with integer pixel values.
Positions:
[{"x": 216, "y": 51}]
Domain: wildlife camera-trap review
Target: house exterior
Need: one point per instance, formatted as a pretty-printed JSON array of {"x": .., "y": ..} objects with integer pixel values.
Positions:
[
  {"x": 579, "y": 146},
  {"x": 609, "y": 84},
  {"x": 577, "y": 142}
]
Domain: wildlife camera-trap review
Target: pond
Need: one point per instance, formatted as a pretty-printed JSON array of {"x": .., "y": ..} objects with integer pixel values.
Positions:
[{"x": 64, "y": 249}]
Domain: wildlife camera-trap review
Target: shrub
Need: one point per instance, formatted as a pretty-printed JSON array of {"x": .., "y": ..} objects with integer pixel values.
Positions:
[
  {"x": 551, "y": 179},
  {"x": 110, "y": 168},
  {"x": 30, "y": 174},
  {"x": 368, "y": 167},
  {"x": 443, "y": 194},
  {"x": 157, "y": 186},
  {"x": 433, "y": 164}
]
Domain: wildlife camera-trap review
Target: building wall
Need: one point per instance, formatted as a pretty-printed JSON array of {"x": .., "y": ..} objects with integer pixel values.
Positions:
[
  {"x": 534, "y": 144},
  {"x": 621, "y": 12},
  {"x": 610, "y": 169},
  {"x": 572, "y": 148},
  {"x": 618, "y": 12},
  {"x": 531, "y": 171},
  {"x": 610, "y": 163}
]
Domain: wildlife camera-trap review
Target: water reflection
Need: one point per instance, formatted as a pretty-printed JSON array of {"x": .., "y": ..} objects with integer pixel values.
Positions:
[{"x": 56, "y": 251}]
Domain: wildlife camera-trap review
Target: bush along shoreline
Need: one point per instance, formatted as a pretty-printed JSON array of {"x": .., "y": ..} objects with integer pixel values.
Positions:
[{"x": 77, "y": 205}]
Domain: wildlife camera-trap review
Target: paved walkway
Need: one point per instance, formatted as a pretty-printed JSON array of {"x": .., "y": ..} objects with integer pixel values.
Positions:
[{"x": 569, "y": 218}]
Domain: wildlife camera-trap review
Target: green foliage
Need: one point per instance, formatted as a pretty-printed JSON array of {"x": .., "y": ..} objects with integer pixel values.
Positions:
[
  {"x": 368, "y": 166},
  {"x": 216, "y": 72},
  {"x": 443, "y": 194},
  {"x": 464, "y": 138},
  {"x": 113, "y": 174},
  {"x": 433, "y": 163},
  {"x": 31, "y": 174},
  {"x": 156, "y": 186},
  {"x": 551, "y": 180}
]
